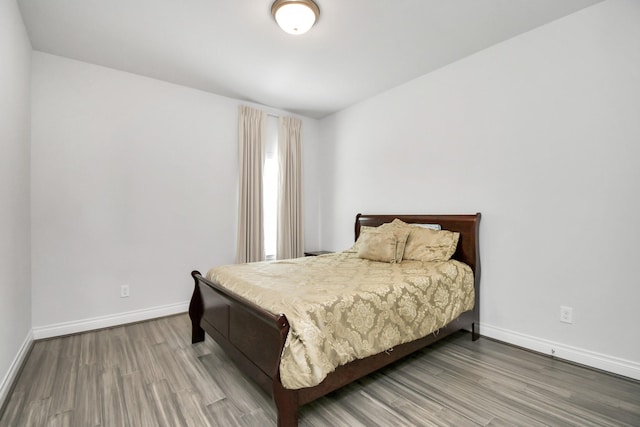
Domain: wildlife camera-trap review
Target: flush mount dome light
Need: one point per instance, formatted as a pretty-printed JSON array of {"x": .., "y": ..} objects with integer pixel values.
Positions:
[{"x": 295, "y": 16}]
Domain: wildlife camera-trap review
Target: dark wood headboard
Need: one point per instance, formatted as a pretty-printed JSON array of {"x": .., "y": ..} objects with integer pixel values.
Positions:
[{"x": 467, "y": 225}]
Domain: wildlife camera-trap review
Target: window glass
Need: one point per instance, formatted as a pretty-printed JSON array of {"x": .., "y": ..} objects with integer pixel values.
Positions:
[{"x": 270, "y": 189}]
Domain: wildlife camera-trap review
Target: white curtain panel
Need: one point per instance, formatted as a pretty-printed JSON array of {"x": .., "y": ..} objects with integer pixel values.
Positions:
[
  {"x": 251, "y": 137},
  {"x": 290, "y": 242}
]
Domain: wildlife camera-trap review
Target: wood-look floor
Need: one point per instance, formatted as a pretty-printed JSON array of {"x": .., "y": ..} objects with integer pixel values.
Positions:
[{"x": 149, "y": 374}]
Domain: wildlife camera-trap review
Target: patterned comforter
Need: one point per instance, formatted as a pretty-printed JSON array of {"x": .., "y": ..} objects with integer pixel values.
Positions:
[{"x": 341, "y": 308}]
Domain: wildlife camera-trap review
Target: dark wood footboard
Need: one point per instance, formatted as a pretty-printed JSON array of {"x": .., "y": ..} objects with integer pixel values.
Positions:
[{"x": 254, "y": 338}]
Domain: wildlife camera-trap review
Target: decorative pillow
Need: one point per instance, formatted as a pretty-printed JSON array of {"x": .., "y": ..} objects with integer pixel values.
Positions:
[
  {"x": 402, "y": 234},
  {"x": 425, "y": 244},
  {"x": 377, "y": 246},
  {"x": 363, "y": 230}
]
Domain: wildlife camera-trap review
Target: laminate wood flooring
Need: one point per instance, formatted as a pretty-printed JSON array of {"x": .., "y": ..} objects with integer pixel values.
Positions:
[{"x": 149, "y": 374}]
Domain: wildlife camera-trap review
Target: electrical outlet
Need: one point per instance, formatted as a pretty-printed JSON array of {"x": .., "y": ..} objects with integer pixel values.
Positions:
[
  {"x": 124, "y": 291},
  {"x": 566, "y": 314}
]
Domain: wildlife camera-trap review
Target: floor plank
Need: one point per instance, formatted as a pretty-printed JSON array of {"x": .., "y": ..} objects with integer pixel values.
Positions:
[{"x": 149, "y": 374}]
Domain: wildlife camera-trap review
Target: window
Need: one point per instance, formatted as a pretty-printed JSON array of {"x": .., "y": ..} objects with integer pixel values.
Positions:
[{"x": 270, "y": 173}]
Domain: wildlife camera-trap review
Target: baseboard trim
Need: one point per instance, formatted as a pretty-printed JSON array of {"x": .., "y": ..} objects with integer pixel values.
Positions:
[
  {"x": 581, "y": 356},
  {"x": 14, "y": 370},
  {"x": 100, "y": 322}
]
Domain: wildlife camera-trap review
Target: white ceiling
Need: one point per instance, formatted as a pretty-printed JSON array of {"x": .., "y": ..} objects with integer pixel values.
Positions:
[{"x": 357, "y": 49}]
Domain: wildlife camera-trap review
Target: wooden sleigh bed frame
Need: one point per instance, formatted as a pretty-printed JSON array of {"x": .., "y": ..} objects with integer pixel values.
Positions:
[{"x": 254, "y": 338}]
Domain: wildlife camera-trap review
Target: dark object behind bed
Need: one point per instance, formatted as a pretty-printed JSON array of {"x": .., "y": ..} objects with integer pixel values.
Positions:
[{"x": 254, "y": 338}]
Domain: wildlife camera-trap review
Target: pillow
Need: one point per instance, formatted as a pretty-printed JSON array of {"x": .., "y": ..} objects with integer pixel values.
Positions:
[
  {"x": 363, "y": 230},
  {"x": 431, "y": 226},
  {"x": 377, "y": 246},
  {"x": 399, "y": 222},
  {"x": 401, "y": 233},
  {"x": 425, "y": 244}
]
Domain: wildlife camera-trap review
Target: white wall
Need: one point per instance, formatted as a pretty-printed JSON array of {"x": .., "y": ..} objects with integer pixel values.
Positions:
[
  {"x": 134, "y": 182},
  {"x": 15, "y": 276},
  {"x": 541, "y": 134}
]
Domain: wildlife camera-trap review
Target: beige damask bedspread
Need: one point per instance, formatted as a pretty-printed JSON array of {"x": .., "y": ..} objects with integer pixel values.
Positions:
[{"x": 341, "y": 308}]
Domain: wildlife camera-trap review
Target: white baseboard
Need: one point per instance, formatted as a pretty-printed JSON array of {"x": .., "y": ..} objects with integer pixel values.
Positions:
[
  {"x": 100, "y": 322},
  {"x": 601, "y": 361},
  {"x": 14, "y": 368}
]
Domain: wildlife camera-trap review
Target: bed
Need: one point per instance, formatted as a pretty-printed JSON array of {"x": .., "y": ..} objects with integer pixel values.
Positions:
[{"x": 255, "y": 337}]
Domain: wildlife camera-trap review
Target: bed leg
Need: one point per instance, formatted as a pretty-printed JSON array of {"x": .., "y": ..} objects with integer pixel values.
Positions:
[
  {"x": 287, "y": 406},
  {"x": 197, "y": 334},
  {"x": 196, "y": 310},
  {"x": 475, "y": 331}
]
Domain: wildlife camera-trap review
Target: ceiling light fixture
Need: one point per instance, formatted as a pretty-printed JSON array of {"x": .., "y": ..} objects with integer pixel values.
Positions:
[{"x": 295, "y": 16}]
